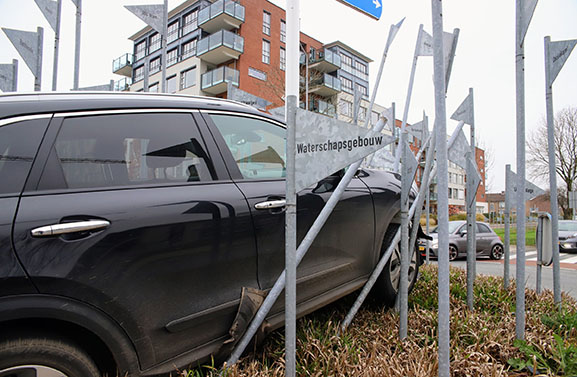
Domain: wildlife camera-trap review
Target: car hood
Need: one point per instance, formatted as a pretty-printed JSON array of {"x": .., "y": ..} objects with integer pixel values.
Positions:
[{"x": 564, "y": 234}]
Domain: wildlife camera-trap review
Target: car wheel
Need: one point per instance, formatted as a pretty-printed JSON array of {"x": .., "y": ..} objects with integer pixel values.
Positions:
[
  {"x": 387, "y": 285},
  {"x": 39, "y": 357},
  {"x": 453, "y": 252},
  {"x": 497, "y": 252}
]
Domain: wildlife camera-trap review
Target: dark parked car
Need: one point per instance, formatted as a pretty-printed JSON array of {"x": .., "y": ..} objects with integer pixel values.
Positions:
[
  {"x": 133, "y": 227},
  {"x": 567, "y": 236},
  {"x": 488, "y": 242}
]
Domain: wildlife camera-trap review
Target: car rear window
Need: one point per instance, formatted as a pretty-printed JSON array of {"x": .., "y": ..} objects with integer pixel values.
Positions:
[
  {"x": 131, "y": 149},
  {"x": 19, "y": 143}
]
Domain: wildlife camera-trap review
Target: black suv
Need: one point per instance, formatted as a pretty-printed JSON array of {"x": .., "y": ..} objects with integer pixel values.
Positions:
[{"x": 130, "y": 226}]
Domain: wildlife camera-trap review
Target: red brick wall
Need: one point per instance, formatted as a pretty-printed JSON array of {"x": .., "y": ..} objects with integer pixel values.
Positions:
[
  {"x": 480, "y": 159},
  {"x": 252, "y": 32}
]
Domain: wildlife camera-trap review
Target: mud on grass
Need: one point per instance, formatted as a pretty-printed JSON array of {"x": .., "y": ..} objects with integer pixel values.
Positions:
[{"x": 482, "y": 342}]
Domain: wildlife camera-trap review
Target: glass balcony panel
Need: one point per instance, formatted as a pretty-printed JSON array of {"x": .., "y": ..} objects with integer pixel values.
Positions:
[
  {"x": 229, "y": 7},
  {"x": 203, "y": 15},
  {"x": 215, "y": 40},
  {"x": 216, "y": 8},
  {"x": 202, "y": 46},
  {"x": 218, "y": 75},
  {"x": 239, "y": 11},
  {"x": 238, "y": 43}
]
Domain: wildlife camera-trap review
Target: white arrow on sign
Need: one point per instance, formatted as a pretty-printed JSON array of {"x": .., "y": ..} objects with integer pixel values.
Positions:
[{"x": 377, "y": 4}]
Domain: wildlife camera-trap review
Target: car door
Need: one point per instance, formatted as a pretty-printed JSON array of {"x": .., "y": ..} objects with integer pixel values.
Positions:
[
  {"x": 342, "y": 254},
  {"x": 484, "y": 236},
  {"x": 172, "y": 242}
]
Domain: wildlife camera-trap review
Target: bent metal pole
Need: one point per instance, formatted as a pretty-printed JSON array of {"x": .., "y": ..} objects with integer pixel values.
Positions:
[{"x": 306, "y": 242}]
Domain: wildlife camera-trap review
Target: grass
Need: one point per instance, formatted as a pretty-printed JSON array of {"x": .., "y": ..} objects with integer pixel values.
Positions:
[
  {"x": 529, "y": 235},
  {"x": 482, "y": 341}
]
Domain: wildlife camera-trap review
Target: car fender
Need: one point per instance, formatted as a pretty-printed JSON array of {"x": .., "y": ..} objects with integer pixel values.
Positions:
[{"x": 47, "y": 307}]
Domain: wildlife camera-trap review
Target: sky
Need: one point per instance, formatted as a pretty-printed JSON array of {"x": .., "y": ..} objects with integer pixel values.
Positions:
[{"x": 484, "y": 61}]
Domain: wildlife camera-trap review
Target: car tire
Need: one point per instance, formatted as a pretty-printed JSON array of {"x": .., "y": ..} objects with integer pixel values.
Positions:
[
  {"x": 386, "y": 286},
  {"x": 37, "y": 356},
  {"x": 496, "y": 252},
  {"x": 453, "y": 252}
]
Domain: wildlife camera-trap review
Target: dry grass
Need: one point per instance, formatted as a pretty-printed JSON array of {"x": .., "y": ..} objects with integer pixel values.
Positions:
[{"x": 482, "y": 342}]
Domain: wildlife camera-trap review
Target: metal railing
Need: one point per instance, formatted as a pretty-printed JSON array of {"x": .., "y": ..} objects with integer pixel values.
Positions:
[
  {"x": 122, "y": 61},
  {"x": 328, "y": 56},
  {"x": 220, "y": 38},
  {"x": 218, "y": 76},
  {"x": 322, "y": 107},
  {"x": 122, "y": 84},
  {"x": 328, "y": 81},
  {"x": 230, "y": 7}
]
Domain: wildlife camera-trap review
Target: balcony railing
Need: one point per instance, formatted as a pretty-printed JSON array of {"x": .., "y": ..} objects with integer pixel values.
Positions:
[
  {"x": 122, "y": 84},
  {"x": 322, "y": 107},
  {"x": 325, "y": 61},
  {"x": 123, "y": 65},
  {"x": 223, "y": 14},
  {"x": 220, "y": 47},
  {"x": 326, "y": 86},
  {"x": 216, "y": 81}
]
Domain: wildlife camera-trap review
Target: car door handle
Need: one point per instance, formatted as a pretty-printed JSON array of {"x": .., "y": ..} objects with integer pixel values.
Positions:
[
  {"x": 270, "y": 204},
  {"x": 65, "y": 228}
]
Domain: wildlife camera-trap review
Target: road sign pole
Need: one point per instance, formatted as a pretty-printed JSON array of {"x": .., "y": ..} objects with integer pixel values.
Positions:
[
  {"x": 552, "y": 174},
  {"x": 77, "y": 43},
  {"x": 471, "y": 213},
  {"x": 56, "y": 44},
  {"x": 507, "y": 225},
  {"x": 38, "y": 73},
  {"x": 407, "y": 100},
  {"x": 15, "y": 75}
]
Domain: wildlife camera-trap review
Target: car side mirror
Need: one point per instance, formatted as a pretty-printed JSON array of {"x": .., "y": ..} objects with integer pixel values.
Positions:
[{"x": 463, "y": 233}]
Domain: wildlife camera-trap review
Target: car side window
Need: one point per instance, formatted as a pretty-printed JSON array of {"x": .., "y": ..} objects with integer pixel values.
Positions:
[
  {"x": 257, "y": 146},
  {"x": 131, "y": 149},
  {"x": 18, "y": 146},
  {"x": 482, "y": 228}
]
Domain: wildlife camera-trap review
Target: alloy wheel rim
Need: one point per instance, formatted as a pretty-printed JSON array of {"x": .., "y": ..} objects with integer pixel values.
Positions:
[{"x": 32, "y": 370}]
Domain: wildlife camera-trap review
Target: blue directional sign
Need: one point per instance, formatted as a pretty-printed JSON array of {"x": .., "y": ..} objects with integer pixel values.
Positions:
[{"x": 372, "y": 8}]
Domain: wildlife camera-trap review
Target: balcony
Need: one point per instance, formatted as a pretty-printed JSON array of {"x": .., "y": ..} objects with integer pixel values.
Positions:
[
  {"x": 220, "y": 47},
  {"x": 322, "y": 107},
  {"x": 123, "y": 84},
  {"x": 123, "y": 65},
  {"x": 326, "y": 86},
  {"x": 325, "y": 61},
  {"x": 223, "y": 14},
  {"x": 216, "y": 81}
]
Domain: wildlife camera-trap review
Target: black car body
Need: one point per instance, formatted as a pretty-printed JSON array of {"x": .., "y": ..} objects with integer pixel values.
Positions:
[{"x": 128, "y": 226}]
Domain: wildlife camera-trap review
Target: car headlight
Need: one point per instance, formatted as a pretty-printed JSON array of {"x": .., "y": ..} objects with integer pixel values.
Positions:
[{"x": 567, "y": 246}]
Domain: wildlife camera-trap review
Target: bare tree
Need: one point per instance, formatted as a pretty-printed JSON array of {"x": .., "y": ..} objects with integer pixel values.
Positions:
[{"x": 565, "y": 136}]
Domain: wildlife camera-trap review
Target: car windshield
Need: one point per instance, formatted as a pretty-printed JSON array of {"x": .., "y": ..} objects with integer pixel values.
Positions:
[
  {"x": 568, "y": 226},
  {"x": 453, "y": 225}
]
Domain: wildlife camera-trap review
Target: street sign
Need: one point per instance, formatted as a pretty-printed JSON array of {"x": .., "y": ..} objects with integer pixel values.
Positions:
[{"x": 372, "y": 8}]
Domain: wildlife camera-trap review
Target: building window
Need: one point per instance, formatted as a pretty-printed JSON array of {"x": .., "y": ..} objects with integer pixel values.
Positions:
[
  {"x": 153, "y": 88},
  {"x": 173, "y": 31},
  {"x": 347, "y": 85},
  {"x": 312, "y": 54},
  {"x": 361, "y": 70},
  {"x": 374, "y": 118},
  {"x": 346, "y": 63},
  {"x": 362, "y": 89},
  {"x": 265, "y": 51},
  {"x": 266, "y": 22},
  {"x": 189, "y": 49},
  {"x": 345, "y": 108},
  {"x": 154, "y": 65},
  {"x": 190, "y": 22},
  {"x": 171, "y": 84},
  {"x": 155, "y": 43},
  {"x": 138, "y": 73},
  {"x": 171, "y": 57},
  {"x": 256, "y": 74},
  {"x": 140, "y": 50},
  {"x": 362, "y": 114},
  {"x": 283, "y": 31},
  {"x": 282, "y": 58},
  {"x": 188, "y": 78}
]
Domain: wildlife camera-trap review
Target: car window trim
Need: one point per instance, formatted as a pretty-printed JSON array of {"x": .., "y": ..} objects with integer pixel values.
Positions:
[
  {"x": 16, "y": 119},
  {"x": 122, "y": 111}
]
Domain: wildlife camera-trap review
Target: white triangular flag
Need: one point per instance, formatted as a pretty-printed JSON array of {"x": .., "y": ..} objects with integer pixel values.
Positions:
[
  {"x": 49, "y": 9},
  {"x": 459, "y": 149},
  {"x": 248, "y": 99},
  {"x": 426, "y": 46},
  {"x": 393, "y": 33},
  {"x": 527, "y": 11},
  {"x": 559, "y": 51},
  {"x": 531, "y": 190},
  {"x": 26, "y": 43},
  {"x": 473, "y": 177},
  {"x": 465, "y": 111},
  {"x": 325, "y": 145},
  {"x": 151, "y": 14},
  {"x": 7, "y": 77}
]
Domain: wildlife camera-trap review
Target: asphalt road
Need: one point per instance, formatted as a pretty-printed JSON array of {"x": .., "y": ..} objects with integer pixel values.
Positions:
[{"x": 568, "y": 264}]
